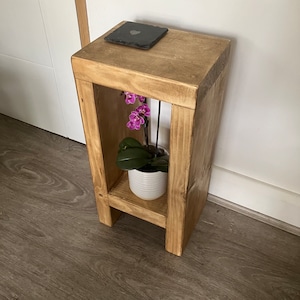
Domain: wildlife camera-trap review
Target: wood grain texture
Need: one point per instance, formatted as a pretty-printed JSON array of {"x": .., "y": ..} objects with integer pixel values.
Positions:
[
  {"x": 205, "y": 129},
  {"x": 182, "y": 121},
  {"x": 192, "y": 139},
  {"x": 170, "y": 71},
  {"x": 90, "y": 120},
  {"x": 121, "y": 198},
  {"x": 83, "y": 23},
  {"x": 173, "y": 72},
  {"x": 53, "y": 247},
  {"x": 112, "y": 116}
]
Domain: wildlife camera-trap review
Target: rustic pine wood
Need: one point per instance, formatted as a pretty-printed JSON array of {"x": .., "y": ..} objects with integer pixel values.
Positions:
[
  {"x": 188, "y": 70},
  {"x": 53, "y": 247},
  {"x": 172, "y": 71},
  {"x": 90, "y": 120},
  {"x": 83, "y": 23},
  {"x": 112, "y": 116},
  {"x": 121, "y": 198},
  {"x": 205, "y": 129},
  {"x": 178, "y": 179}
]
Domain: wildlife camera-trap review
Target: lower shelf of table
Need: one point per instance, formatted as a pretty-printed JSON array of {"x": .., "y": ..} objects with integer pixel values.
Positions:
[{"x": 153, "y": 211}]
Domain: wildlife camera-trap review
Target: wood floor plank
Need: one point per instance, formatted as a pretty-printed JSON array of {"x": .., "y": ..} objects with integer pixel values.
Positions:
[{"x": 52, "y": 245}]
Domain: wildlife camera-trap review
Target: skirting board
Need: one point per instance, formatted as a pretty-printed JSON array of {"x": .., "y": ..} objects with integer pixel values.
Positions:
[
  {"x": 258, "y": 200},
  {"x": 254, "y": 215}
]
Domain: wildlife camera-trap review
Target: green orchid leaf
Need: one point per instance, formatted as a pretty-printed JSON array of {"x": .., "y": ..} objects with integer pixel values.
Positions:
[
  {"x": 133, "y": 155},
  {"x": 129, "y": 142},
  {"x": 133, "y": 158},
  {"x": 162, "y": 168},
  {"x": 160, "y": 163}
]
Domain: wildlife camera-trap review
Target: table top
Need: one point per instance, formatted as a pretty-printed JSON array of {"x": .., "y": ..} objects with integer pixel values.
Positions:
[{"x": 179, "y": 64}]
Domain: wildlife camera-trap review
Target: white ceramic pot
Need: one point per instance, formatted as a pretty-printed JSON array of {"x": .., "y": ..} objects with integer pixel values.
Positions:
[{"x": 148, "y": 185}]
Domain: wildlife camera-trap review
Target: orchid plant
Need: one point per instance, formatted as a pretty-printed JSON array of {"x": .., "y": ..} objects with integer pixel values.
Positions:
[{"x": 132, "y": 154}]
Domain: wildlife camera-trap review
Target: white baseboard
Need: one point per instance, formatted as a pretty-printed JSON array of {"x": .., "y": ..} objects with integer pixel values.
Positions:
[
  {"x": 256, "y": 199},
  {"x": 254, "y": 215}
]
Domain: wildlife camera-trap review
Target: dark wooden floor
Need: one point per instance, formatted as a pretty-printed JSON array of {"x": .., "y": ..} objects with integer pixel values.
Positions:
[{"x": 53, "y": 247}]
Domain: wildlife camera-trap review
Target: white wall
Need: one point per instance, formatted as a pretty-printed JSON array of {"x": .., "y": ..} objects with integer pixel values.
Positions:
[
  {"x": 257, "y": 161},
  {"x": 37, "y": 39}
]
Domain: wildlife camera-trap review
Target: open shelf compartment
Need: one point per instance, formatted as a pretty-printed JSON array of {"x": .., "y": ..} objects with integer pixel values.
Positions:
[{"x": 153, "y": 211}]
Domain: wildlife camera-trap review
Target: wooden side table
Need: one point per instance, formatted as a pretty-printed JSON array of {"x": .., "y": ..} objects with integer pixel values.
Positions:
[{"x": 189, "y": 71}]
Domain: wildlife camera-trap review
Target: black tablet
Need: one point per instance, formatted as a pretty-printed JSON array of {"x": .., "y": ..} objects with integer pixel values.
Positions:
[{"x": 137, "y": 35}]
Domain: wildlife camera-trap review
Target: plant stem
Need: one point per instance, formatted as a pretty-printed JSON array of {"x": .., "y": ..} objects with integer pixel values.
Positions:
[
  {"x": 146, "y": 129},
  {"x": 146, "y": 132},
  {"x": 157, "y": 129}
]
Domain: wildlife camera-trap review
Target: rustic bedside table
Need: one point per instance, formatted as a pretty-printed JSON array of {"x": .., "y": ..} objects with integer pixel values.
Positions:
[{"x": 186, "y": 69}]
